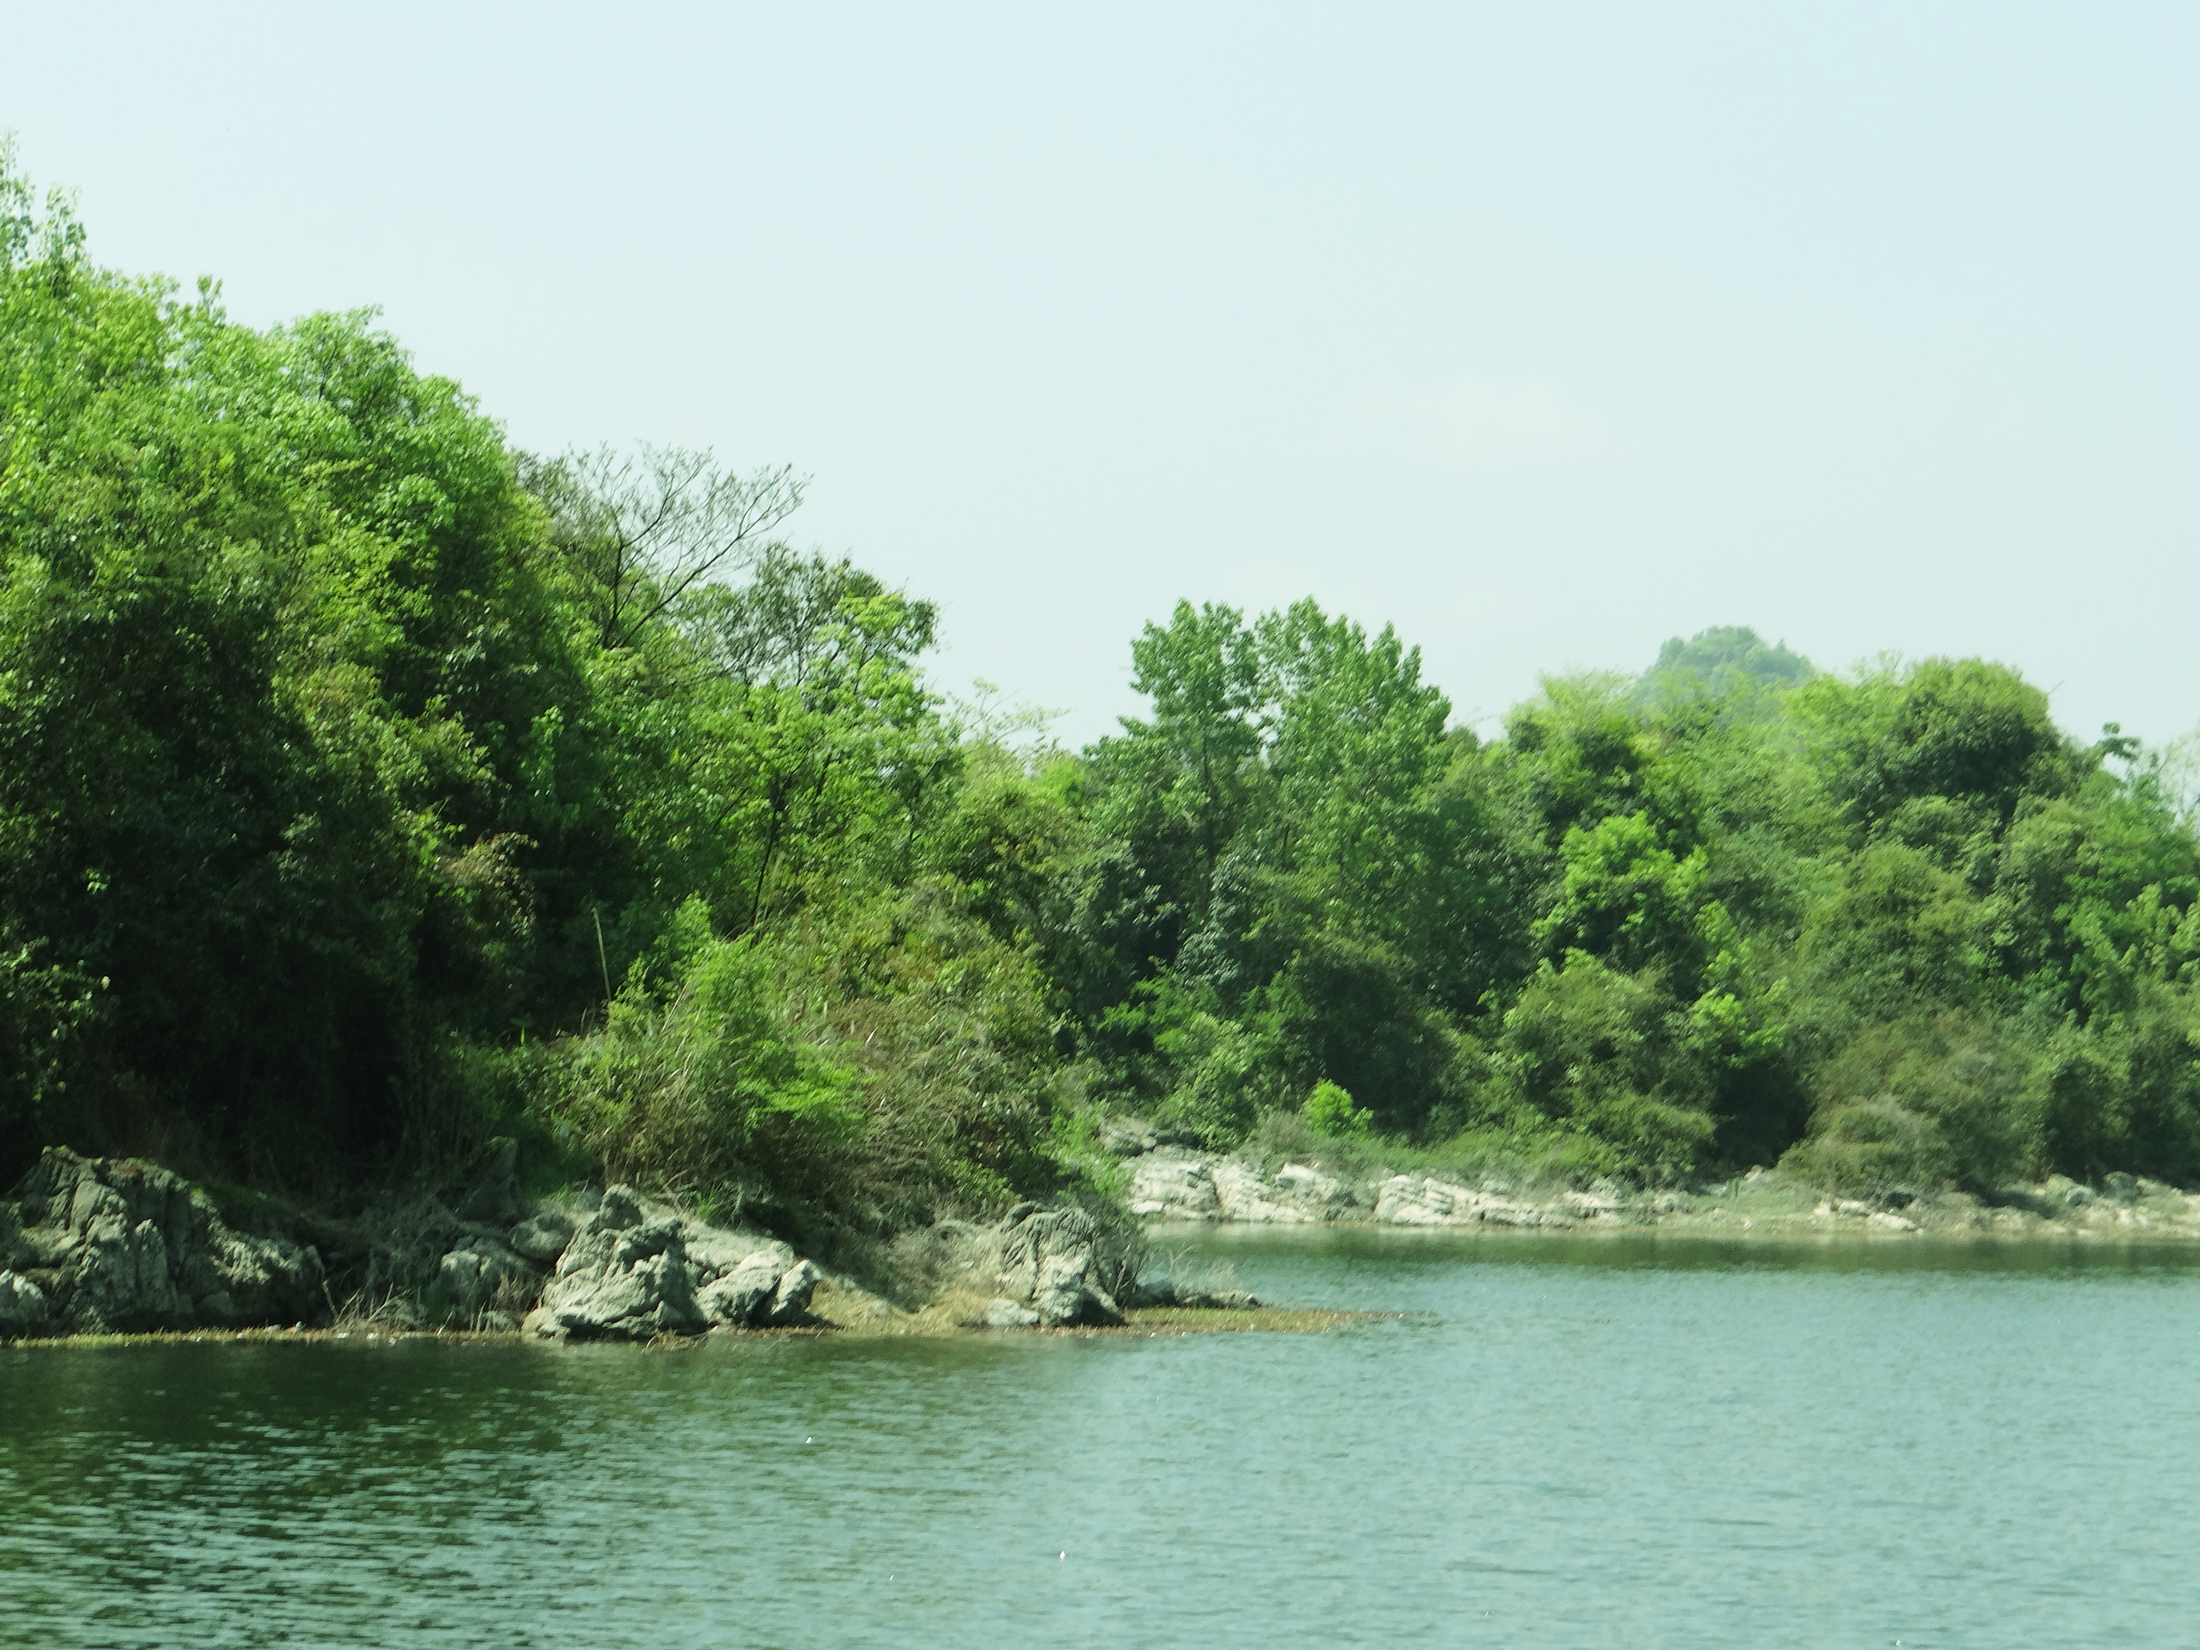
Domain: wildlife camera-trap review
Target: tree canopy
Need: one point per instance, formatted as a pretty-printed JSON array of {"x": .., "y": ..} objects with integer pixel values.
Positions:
[{"x": 368, "y": 787}]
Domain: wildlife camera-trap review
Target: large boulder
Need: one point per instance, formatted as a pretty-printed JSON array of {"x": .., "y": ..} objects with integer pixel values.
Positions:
[
  {"x": 633, "y": 1269},
  {"x": 114, "y": 1245},
  {"x": 623, "y": 1277},
  {"x": 542, "y": 1237},
  {"x": 744, "y": 1295},
  {"x": 22, "y": 1307},
  {"x": 790, "y": 1302},
  {"x": 1063, "y": 1264},
  {"x": 714, "y": 1251},
  {"x": 1067, "y": 1294}
]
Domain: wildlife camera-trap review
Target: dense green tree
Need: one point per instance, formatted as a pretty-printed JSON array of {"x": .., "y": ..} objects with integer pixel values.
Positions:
[{"x": 367, "y": 786}]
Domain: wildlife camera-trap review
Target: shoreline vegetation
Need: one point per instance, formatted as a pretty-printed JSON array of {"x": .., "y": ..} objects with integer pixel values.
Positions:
[{"x": 405, "y": 837}]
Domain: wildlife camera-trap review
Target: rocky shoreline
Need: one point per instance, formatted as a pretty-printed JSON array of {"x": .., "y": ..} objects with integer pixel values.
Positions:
[
  {"x": 105, "y": 1246},
  {"x": 1167, "y": 1182}
]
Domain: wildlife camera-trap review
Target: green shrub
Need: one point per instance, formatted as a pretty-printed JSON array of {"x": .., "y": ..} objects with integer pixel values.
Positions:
[
  {"x": 1329, "y": 1110},
  {"x": 1929, "y": 1100},
  {"x": 1595, "y": 1071},
  {"x": 688, "y": 1095},
  {"x": 1872, "y": 1145}
]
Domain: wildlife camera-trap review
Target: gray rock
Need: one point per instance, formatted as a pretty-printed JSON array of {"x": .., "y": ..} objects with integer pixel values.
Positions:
[
  {"x": 1061, "y": 1262},
  {"x": 1245, "y": 1197},
  {"x": 713, "y": 1251},
  {"x": 1067, "y": 1295},
  {"x": 1127, "y": 1136},
  {"x": 743, "y": 1295},
  {"x": 15, "y": 1249},
  {"x": 480, "y": 1272},
  {"x": 114, "y": 1245},
  {"x": 267, "y": 1280},
  {"x": 542, "y": 1237},
  {"x": 1405, "y": 1200},
  {"x": 624, "y": 1276},
  {"x": 1408, "y": 1200},
  {"x": 1174, "y": 1185},
  {"x": 22, "y": 1307},
  {"x": 1325, "y": 1194},
  {"x": 791, "y": 1298},
  {"x": 1008, "y": 1314}
]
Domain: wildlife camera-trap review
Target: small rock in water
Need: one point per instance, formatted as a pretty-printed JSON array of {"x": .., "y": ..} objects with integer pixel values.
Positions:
[{"x": 1003, "y": 1313}]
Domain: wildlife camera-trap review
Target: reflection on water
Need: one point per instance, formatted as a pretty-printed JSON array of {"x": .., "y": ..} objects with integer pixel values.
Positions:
[{"x": 1564, "y": 1442}]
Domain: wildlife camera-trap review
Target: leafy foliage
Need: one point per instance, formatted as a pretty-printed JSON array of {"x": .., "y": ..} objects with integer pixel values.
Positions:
[
  {"x": 367, "y": 786},
  {"x": 1896, "y": 926}
]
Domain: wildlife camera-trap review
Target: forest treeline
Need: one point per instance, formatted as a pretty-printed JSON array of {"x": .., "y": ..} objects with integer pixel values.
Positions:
[{"x": 369, "y": 788}]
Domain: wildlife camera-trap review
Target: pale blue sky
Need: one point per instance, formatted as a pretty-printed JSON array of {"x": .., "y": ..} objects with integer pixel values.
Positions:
[{"x": 1545, "y": 331}]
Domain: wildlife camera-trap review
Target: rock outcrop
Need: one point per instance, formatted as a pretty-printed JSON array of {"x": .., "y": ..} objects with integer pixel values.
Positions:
[
  {"x": 1410, "y": 1200},
  {"x": 1167, "y": 1181},
  {"x": 744, "y": 1295},
  {"x": 1172, "y": 1184},
  {"x": 105, "y": 1245},
  {"x": 1061, "y": 1264},
  {"x": 542, "y": 1237},
  {"x": 95, "y": 1245},
  {"x": 1244, "y": 1194},
  {"x": 633, "y": 1270},
  {"x": 23, "y": 1308},
  {"x": 624, "y": 1276}
]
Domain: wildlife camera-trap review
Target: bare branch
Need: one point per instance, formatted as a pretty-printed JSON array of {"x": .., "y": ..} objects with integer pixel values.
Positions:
[{"x": 664, "y": 520}]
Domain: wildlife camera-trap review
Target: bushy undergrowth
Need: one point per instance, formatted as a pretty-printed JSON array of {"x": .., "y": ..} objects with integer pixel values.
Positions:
[{"x": 881, "y": 1066}]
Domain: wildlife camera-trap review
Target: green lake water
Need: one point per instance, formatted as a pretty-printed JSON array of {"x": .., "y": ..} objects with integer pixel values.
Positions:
[{"x": 1563, "y": 1442}]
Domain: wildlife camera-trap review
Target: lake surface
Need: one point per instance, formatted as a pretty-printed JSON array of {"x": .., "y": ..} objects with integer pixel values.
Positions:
[{"x": 1565, "y": 1442}]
